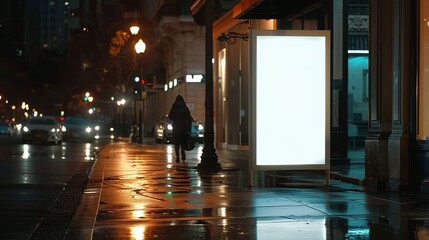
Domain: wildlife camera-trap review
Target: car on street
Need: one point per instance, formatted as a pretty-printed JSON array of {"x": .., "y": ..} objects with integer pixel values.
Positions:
[
  {"x": 6, "y": 129},
  {"x": 80, "y": 129},
  {"x": 42, "y": 129},
  {"x": 197, "y": 130},
  {"x": 163, "y": 130}
]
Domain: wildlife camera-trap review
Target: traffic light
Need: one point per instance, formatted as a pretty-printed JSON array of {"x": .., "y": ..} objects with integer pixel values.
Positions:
[
  {"x": 140, "y": 85},
  {"x": 136, "y": 87},
  {"x": 62, "y": 116}
]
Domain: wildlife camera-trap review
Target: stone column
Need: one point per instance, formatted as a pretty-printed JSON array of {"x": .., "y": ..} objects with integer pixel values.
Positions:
[
  {"x": 380, "y": 93},
  {"x": 404, "y": 39}
]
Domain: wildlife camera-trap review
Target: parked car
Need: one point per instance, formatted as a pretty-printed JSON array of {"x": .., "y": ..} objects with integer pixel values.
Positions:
[
  {"x": 42, "y": 129},
  {"x": 6, "y": 129},
  {"x": 197, "y": 130},
  {"x": 163, "y": 130},
  {"x": 79, "y": 129}
]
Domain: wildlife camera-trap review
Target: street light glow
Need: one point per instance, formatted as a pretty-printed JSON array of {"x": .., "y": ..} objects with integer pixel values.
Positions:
[
  {"x": 134, "y": 30},
  {"x": 121, "y": 102},
  {"x": 140, "y": 46}
]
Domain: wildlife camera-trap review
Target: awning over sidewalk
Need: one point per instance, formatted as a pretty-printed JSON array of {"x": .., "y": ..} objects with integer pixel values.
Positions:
[
  {"x": 274, "y": 9},
  {"x": 257, "y": 9}
]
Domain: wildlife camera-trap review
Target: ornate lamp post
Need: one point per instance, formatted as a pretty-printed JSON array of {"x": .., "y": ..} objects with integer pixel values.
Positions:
[
  {"x": 134, "y": 30},
  {"x": 140, "y": 47},
  {"x": 209, "y": 159}
]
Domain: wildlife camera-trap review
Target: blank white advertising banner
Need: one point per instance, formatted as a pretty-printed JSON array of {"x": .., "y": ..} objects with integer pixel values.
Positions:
[{"x": 291, "y": 88}]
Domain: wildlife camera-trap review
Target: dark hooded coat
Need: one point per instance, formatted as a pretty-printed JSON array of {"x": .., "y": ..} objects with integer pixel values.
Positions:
[{"x": 182, "y": 120}]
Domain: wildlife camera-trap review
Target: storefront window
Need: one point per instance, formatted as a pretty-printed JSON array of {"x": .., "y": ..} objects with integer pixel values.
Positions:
[
  {"x": 423, "y": 113},
  {"x": 222, "y": 93},
  {"x": 357, "y": 75}
]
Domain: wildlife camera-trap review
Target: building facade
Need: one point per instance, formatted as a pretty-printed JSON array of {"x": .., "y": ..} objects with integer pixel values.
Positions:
[
  {"x": 378, "y": 88},
  {"x": 177, "y": 60}
]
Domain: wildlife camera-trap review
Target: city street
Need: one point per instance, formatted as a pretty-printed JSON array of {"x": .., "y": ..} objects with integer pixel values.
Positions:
[
  {"x": 41, "y": 183},
  {"x": 138, "y": 192},
  {"x": 313, "y": 115}
]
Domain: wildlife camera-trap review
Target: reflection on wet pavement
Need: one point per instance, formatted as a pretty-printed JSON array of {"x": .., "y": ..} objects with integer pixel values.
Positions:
[{"x": 145, "y": 195}]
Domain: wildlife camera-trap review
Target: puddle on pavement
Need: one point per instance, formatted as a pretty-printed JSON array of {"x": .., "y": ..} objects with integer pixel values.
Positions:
[{"x": 334, "y": 228}]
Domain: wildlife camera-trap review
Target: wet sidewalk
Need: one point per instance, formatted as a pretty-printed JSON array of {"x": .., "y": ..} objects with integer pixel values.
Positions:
[{"x": 139, "y": 192}]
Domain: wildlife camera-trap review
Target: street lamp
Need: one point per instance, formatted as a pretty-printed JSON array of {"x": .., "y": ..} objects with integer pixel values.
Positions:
[
  {"x": 140, "y": 47},
  {"x": 134, "y": 30},
  {"x": 209, "y": 159}
]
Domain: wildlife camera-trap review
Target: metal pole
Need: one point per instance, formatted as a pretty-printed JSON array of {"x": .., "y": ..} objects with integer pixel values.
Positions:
[
  {"x": 209, "y": 159},
  {"x": 141, "y": 127},
  {"x": 136, "y": 99}
]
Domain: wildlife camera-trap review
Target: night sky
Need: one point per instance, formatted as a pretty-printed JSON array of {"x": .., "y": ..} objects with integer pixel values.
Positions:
[{"x": 44, "y": 81}]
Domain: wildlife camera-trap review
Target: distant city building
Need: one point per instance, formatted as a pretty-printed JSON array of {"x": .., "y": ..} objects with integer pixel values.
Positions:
[
  {"x": 47, "y": 26},
  {"x": 54, "y": 26},
  {"x": 29, "y": 28}
]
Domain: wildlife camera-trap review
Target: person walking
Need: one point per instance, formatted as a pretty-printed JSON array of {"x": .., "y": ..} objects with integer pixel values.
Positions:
[{"x": 182, "y": 121}]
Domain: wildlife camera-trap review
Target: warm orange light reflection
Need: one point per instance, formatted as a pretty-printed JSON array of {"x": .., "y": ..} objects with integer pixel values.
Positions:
[
  {"x": 222, "y": 213},
  {"x": 137, "y": 232},
  {"x": 138, "y": 214},
  {"x": 169, "y": 156}
]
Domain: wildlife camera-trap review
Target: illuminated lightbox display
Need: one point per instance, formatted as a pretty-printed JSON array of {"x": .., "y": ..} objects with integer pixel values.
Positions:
[{"x": 290, "y": 99}]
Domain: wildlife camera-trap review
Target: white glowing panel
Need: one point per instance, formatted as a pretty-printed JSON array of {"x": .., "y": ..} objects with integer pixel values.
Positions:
[{"x": 290, "y": 89}]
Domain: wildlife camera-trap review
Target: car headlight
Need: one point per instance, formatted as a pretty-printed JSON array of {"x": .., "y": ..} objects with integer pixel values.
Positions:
[
  {"x": 169, "y": 127},
  {"x": 25, "y": 129},
  {"x": 64, "y": 129},
  {"x": 88, "y": 129},
  {"x": 97, "y": 128},
  {"x": 53, "y": 130}
]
